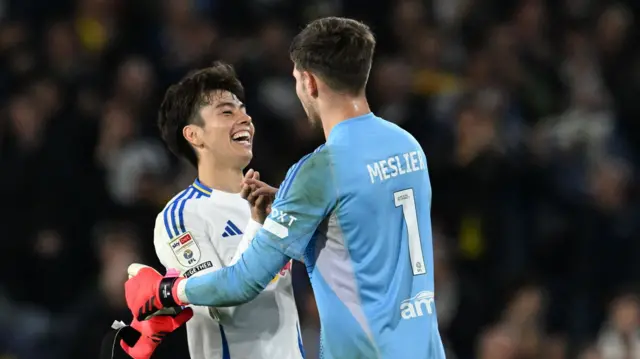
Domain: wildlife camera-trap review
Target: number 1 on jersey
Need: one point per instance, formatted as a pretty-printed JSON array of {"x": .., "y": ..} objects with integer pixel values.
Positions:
[{"x": 406, "y": 199}]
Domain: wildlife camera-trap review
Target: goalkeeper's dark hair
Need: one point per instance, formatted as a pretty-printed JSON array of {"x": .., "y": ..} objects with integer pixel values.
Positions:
[
  {"x": 182, "y": 103},
  {"x": 338, "y": 50}
]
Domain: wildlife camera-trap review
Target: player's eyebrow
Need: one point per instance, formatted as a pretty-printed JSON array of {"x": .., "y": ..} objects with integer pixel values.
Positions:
[{"x": 230, "y": 104}]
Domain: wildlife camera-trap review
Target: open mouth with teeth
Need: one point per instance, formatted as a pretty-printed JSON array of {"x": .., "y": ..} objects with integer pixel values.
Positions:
[{"x": 242, "y": 137}]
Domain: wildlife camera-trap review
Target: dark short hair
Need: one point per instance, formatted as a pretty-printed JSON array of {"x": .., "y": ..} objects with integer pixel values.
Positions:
[
  {"x": 338, "y": 50},
  {"x": 182, "y": 103}
]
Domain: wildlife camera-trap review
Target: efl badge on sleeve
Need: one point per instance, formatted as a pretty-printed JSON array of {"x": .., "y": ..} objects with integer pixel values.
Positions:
[{"x": 186, "y": 249}]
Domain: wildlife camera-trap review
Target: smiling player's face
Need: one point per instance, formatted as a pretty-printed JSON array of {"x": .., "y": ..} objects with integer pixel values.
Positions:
[{"x": 227, "y": 131}]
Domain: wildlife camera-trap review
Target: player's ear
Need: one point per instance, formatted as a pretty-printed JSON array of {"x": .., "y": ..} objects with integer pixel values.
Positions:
[
  {"x": 193, "y": 135},
  {"x": 310, "y": 83}
]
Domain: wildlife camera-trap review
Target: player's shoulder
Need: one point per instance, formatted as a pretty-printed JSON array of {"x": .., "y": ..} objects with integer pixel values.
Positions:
[
  {"x": 314, "y": 162},
  {"x": 391, "y": 130},
  {"x": 320, "y": 153},
  {"x": 319, "y": 159},
  {"x": 311, "y": 173},
  {"x": 183, "y": 208},
  {"x": 187, "y": 201}
]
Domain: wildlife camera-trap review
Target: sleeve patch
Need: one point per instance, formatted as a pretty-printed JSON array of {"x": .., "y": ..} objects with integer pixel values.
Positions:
[
  {"x": 185, "y": 249},
  {"x": 198, "y": 268},
  {"x": 275, "y": 228}
]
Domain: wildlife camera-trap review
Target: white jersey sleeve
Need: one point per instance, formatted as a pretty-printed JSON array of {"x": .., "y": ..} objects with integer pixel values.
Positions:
[
  {"x": 189, "y": 248},
  {"x": 186, "y": 245},
  {"x": 183, "y": 241},
  {"x": 250, "y": 232},
  {"x": 203, "y": 230}
]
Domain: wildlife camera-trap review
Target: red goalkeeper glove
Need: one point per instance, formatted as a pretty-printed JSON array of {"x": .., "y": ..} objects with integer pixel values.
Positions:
[
  {"x": 148, "y": 292},
  {"x": 152, "y": 331}
]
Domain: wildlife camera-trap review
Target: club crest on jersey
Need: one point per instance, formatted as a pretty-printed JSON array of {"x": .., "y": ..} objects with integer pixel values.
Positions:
[{"x": 186, "y": 250}]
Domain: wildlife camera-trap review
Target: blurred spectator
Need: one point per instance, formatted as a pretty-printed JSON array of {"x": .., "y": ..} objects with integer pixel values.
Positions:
[
  {"x": 620, "y": 338},
  {"x": 116, "y": 245},
  {"x": 102, "y": 303},
  {"x": 497, "y": 343},
  {"x": 128, "y": 159},
  {"x": 590, "y": 353}
]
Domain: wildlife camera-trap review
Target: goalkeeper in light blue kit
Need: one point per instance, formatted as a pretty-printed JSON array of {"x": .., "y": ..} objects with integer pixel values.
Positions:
[{"x": 356, "y": 211}]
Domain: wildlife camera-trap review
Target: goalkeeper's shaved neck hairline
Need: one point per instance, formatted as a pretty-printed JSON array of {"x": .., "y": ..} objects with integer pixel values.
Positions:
[{"x": 344, "y": 65}]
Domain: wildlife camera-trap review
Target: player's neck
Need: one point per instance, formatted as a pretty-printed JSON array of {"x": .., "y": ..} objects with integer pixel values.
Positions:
[
  {"x": 221, "y": 178},
  {"x": 342, "y": 108}
]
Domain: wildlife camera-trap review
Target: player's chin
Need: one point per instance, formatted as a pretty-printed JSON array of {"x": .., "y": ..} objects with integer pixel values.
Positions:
[{"x": 243, "y": 151}]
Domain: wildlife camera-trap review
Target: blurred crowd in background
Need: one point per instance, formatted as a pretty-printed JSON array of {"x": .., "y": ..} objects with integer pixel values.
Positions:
[{"x": 528, "y": 111}]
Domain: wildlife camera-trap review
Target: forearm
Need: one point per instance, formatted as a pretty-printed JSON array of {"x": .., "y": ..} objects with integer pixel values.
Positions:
[{"x": 236, "y": 284}]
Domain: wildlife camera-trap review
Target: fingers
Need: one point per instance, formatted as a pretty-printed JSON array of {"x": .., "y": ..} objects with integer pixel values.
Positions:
[
  {"x": 251, "y": 186},
  {"x": 252, "y": 198},
  {"x": 249, "y": 174},
  {"x": 244, "y": 192},
  {"x": 264, "y": 191},
  {"x": 253, "y": 189},
  {"x": 261, "y": 197},
  {"x": 183, "y": 316},
  {"x": 135, "y": 268},
  {"x": 260, "y": 202},
  {"x": 161, "y": 313},
  {"x": 125, "y": 347},
  {"x": 264, "y": 188},
  {"x": 255, "y": 182},
  {"x": 246, "y": 189}
]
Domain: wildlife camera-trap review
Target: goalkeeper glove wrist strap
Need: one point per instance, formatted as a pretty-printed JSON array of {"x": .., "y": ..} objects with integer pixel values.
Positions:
[{"x": 168, "y": 292}]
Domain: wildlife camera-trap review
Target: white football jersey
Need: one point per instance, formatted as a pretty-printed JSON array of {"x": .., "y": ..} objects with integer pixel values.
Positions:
[{"x": 202, "y": 230}]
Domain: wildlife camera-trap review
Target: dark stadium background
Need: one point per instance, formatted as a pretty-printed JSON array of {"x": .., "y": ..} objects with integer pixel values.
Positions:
[{"x": 528, "y": 111}]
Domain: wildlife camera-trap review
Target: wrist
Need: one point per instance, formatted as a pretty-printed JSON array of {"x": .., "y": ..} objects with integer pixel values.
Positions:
[
  {"x": 253, "y": 227},
  {"x": 257, "y": 218},
  {"x": 179, "y": 291},
  {"x": 167, "y": 292}
]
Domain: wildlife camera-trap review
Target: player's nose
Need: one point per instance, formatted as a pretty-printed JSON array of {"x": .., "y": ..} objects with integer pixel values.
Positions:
[{"x": 245, "y": 119}]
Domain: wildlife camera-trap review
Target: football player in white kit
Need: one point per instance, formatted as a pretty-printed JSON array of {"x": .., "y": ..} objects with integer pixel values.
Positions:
[{"x": 208, "y": 225}]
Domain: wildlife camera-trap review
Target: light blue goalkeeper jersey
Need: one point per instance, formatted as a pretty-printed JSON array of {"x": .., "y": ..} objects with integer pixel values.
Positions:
[{"x": 357, "y": 212}]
